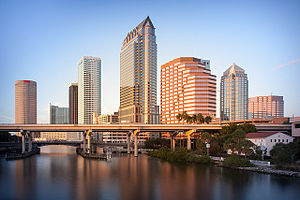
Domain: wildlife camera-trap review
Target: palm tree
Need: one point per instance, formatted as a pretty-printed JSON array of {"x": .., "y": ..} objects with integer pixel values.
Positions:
[
  {"x": 179, "y": 117},
  {"x": 208, "y": 119},
  {"x": 185, "y": 116},
  {"x": 194, "y": 118},
  {"x": 200, "y": 118},
  {"x": 189, "y": 119}
]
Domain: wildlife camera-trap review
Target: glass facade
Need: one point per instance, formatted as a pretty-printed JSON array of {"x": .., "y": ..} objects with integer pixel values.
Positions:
[
  {"x": 138, "y": 75},
  {"x": 59, "y": 115},
  {"x": 89, "y": 89},
  {"x": 234, "y": 94}
]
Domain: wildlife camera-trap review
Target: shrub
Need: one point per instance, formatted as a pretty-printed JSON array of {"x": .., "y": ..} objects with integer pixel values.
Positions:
[
  {"x": 203, "y": 159},
  {"x": 163, "y": 153},
  {"x": 181, "y": 155},
  {"x": 236, "y": 161}
]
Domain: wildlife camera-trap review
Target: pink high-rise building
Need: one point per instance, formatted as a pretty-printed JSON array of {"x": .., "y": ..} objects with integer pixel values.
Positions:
[
  {"x": 187, "y": 85},
  {"x": 25, "y": 102},
  {"x": 266, "y": 107}
]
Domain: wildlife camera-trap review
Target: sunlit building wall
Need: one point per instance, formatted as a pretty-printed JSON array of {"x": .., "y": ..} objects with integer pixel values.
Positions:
[
  {"x": 266, "y": 107},
  {"x": 89, "y": 89},
  {"x": 25, "y": 102},
  {"x": 187, "y": 85},
  {"x": 234, "y": 94},
  {"x": 138, "y": 75}
]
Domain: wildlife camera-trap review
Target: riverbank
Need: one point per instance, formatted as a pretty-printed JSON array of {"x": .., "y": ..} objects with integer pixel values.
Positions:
[
  {"x": 80, "y": 152},
  {"x": 232, "y": 162},
  {"x": 15, "y": 156}
]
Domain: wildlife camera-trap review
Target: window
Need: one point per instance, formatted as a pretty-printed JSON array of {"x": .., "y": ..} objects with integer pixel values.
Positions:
[
  {"x": 287, "y": 140},
  {"x": 297, "y": 125},
  {"x": 275, "y": 140},
  {"x": 271, "y": 140}
]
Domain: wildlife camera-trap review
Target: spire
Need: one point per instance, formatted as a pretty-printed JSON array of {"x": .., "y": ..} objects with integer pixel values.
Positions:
[
  {"x": 134, "y": 32},
  {"x": 145, "y": 22},
  {"x": 234, "y": 68}
]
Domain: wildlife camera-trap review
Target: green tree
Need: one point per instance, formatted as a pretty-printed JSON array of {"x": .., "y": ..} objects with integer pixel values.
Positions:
[
  {"x": 207, "y": 119},
  {"x": 179, "y": 117},
  {"x": 200, "y": 118},
  {"x": 185, "y": 116},
  {"x": 194, "y": 118},
  {"x": 238, "y": 143},
  {"x": 248, "y": 128},
  {"x": 285, "y": 153},
  {"x": 215, "y": 148}
]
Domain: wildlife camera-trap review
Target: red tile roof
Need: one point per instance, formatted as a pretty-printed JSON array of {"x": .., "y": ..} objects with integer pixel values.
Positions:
[{"x": 261, "y": 134}]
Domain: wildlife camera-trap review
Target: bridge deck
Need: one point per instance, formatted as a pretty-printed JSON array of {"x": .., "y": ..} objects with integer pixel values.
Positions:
[{"x": 130, "y": 127}]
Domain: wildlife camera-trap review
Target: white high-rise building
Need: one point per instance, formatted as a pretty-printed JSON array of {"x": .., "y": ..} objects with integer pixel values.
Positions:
[{"x": 89, "y": 89}]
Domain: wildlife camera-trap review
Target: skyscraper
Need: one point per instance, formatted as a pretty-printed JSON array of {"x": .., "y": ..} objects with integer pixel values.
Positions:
[
  {"x": 138, "y": 75},
  {"x": 59, "y": 115},
  {"x": 73, "y": 103},
  {"x": 25, "y": 102},
  {"x": 266, "y": 107},
  {"x": 89, "y": 89},
  {"x": 234, "y": 94},
  {"x": 187, "y": 85}
]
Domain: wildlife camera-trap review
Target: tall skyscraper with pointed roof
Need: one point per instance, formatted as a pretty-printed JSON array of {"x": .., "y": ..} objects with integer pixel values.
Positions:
[
  {"x": 138, "y": 75},
  {"x": 234, "y": 94}
]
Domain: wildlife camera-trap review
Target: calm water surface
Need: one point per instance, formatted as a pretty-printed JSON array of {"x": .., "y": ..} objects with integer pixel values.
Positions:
[{"x": 58, "y": 173}]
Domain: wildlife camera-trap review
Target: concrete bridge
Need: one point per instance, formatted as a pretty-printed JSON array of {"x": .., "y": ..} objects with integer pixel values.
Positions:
[{"x": 135, "y": 129}]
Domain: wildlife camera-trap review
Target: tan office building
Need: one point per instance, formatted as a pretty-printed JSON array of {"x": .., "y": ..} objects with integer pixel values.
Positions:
[
  {"x": 138, "y": 75},
  {"x": 187, "y": 85},
  {"x": 266, "y": 107},
  {"x": 25, "y": 102}
]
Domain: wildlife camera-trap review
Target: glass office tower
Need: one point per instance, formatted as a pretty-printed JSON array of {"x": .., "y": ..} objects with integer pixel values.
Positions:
[
  {"x": 138, "y": 75},
  {"x": 234, "y": 94}
]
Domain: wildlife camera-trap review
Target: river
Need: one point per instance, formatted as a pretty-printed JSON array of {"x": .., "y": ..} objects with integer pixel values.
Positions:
[{"x": 58, "y": 173}]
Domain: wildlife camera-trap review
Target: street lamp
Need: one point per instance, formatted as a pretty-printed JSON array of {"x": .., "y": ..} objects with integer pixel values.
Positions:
[{"x": 207, "y": 147}]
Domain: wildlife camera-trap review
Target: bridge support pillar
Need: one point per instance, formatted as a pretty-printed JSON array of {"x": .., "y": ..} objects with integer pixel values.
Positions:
[
  {"x": 23, "y": 142},
  {"x": 188, "y": 142},
  {"x": 188, "y": 134},
  {"x": 89, "y": 141},
  {"x": 128, "y": 143},
  {"x": 84, "y": 142},
  {"x": 29, "y": 141},
  {"x": 136, "y": 142},
  {"x": 173, "y": 143}
]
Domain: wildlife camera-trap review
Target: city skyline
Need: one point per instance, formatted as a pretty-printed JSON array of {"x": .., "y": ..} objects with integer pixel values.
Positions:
[{"x": 259, "y": 55}]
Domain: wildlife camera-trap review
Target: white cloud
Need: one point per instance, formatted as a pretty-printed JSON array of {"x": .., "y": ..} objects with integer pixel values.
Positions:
[{"x": 287, "y": 64}]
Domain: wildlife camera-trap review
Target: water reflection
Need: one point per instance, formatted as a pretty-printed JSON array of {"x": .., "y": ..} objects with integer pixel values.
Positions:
[{"x": 58, "y": 173}]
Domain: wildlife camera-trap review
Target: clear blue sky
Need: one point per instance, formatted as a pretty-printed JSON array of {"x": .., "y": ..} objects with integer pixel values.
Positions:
[{"x": 44, "y": 40}]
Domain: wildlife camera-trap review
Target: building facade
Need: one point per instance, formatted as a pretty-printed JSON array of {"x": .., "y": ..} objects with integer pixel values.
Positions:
[
  {"x": 187, "y": 85},
  {"x": 25, "y": 102},
  {"x": 89, "y": 89},
  {"x": 234, "y": 94},
  {"x": 73, "y": 103},
  {"x": 59, "y": 115},
  {"x": 269, "y": 139},
  {"x": 266, "y": 107},
  {"x": 106, "y": 119},
  {"x": 138, "y": 75}
]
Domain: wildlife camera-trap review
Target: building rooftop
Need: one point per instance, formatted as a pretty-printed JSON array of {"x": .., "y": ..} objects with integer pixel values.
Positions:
[
  {"x": 261, "y": 134},
  {"x": 234, "y": 69}
]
